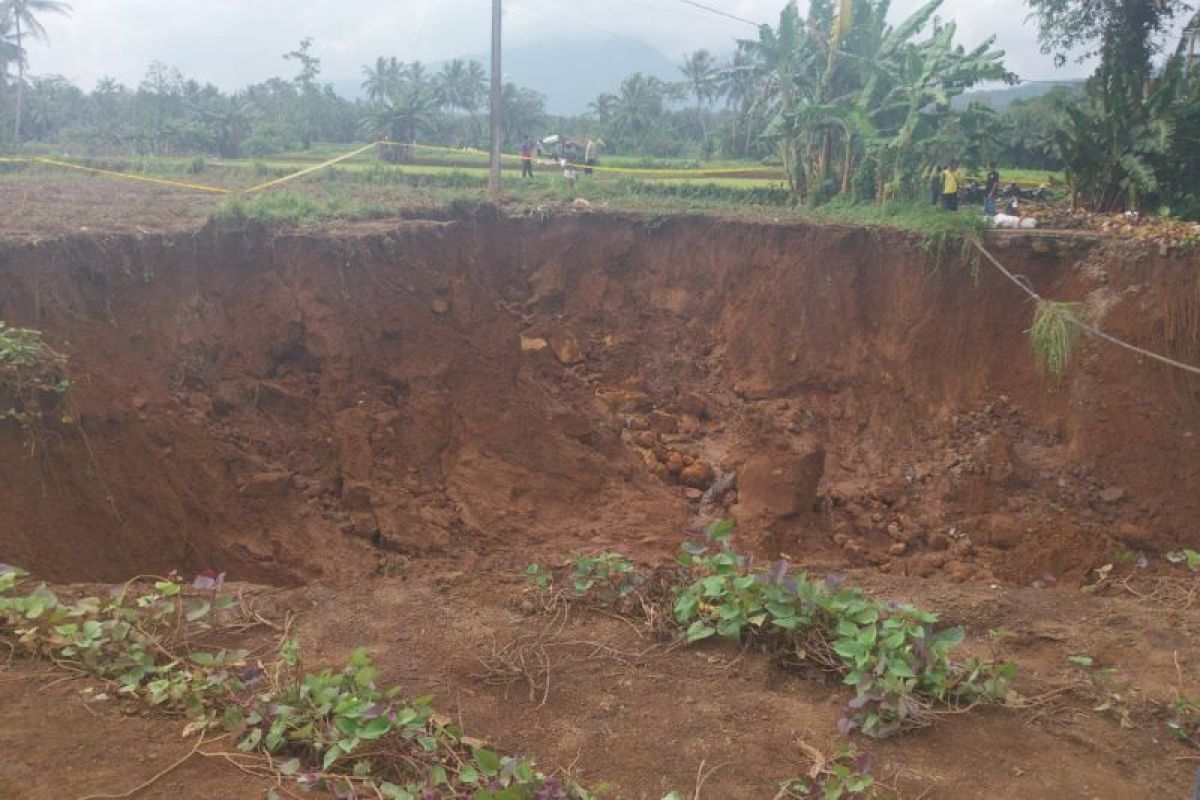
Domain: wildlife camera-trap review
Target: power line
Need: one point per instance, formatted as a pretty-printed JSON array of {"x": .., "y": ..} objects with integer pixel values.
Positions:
[
  {"x": 424, "y": 25},
  {"x": 696, "y": 15},
  {"x": 720, "y": 13}
]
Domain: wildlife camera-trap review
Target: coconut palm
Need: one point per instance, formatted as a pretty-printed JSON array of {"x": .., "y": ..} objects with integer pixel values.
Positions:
[
  {"x": 402, "y": 114},
  {"x": 700, "y": 73},
  {"x": 381, "y": 80},
  {"x": 638, "y": 108},
  {"x": 462, "y": 85},
  {"x": 9, "y": 51},
  {"x": 24, "y": 15}
]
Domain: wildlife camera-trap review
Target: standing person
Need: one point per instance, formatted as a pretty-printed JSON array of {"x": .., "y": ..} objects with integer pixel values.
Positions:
[
  {"x": 569, "y": 172},
  {"x": 527, "y": 159},
  {"x": 589, "y": 155},
  {"x": 935, "y": 184},
  {"x": 990, "y": 190},
  {"x": 950, "y": 187}
]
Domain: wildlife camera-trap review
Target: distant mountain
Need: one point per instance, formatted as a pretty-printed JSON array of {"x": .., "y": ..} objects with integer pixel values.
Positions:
[
  {"x": 1002, "y": 97},
  {"x": 571, "y": 72}
]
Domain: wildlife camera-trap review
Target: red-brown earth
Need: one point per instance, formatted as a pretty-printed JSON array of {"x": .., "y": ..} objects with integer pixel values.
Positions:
[{"x": 396, "y": 418}]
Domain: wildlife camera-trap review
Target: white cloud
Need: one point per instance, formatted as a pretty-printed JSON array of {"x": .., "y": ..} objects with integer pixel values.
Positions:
[{"x": 235, "y": 42}]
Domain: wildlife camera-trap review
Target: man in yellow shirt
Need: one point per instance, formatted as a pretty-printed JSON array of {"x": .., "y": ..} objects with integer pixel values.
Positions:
[{"x": 950, "y": 187}]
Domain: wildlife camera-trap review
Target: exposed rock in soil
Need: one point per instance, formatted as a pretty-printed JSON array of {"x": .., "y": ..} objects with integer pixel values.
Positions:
[{"x": 779, "y": 484}]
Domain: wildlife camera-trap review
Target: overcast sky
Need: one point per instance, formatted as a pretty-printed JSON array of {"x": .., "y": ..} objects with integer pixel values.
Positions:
[{"x": 236, "y": 42}]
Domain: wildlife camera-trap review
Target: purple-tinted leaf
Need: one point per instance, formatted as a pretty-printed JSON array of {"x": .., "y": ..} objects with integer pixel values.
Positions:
[
  {"x": 845, "y": 725},
  {"x": 377, "y": 711},
  {"x": 920, "y": 648},
  {"x": 893, "y": 606},
  {"x": 252, "y": 676},
  {"x": 778, "y": 571},
  {"x": 209, "y": 580},
  {"x": 6, "y": 568},
  {"x": 862, "y": 763},
  {"x": 859, "y": 701},
  {"x": 1049, "y": 579},
  {"x": 833, "y": 581}
]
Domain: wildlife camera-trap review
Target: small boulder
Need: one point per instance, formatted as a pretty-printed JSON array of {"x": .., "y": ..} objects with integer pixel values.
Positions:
[
  {"x": 958, "y": 571},
  {"x": 775, "y": 484},
  {"x": 439, "y": 306},
  {"x": 1112, "y": 495},
  {"x": 356, "y": 497},
  {"x": 647, "y": 439},
  {"x": 692, "y": 404},
  {"x": 698, "y": 475},
  {"x": 533, "y": 344},
  {"x": 626, "y": 400},
  {"x": 267, "y": 484},
  {"x": 566, "y": 348},
  {"x": 662, "y": 422},
  {"x": 201, "y": 402}
]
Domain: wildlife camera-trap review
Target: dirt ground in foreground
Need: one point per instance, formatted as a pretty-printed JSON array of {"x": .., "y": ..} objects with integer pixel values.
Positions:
[
  {"x": 389, "y": 421},
  {"x": 618, "y": 705}
]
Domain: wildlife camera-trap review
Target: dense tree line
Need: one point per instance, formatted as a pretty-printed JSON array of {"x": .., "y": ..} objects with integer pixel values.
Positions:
[
  {"x": 1131, "y": 141},
  {"x": 849, "y": 104},
  {"x": 169, "y": 114}
]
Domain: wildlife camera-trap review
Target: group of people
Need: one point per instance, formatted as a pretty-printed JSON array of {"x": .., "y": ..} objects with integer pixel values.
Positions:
[
  {"x": 565, "y": 152},
  {"x": 944, "y": 190}
]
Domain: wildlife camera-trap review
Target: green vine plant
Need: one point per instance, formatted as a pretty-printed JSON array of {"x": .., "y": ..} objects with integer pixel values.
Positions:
[
  {"x": 894, "y": 655},
  {"x": 330, "y": 730},
  {"x": 1054, "y": 334},
  {"x": 33, "y": 377}
]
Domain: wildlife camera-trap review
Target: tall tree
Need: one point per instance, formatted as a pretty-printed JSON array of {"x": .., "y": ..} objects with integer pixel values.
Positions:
[
  {"x": 310, "y": 65},
  {"x": 382, "y": 79},
  {"x": 700, "y": 72},
  {"x": 24, "y": 16}
]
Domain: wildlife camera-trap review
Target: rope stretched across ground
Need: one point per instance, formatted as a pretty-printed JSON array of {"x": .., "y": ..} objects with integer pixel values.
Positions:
[{"x": 1094, "y": 331}]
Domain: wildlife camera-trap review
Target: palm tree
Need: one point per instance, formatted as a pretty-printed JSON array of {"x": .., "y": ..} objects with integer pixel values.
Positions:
[
  {"x": 700, "y": 71},
  {"x": 23, "y": 15},
  {"x": 401, "y": 116},
  {"x": 462, "y": 85},
  {"x": 382, "y": 79},
  {"x": 9, "y": 51},
  {"x": 639, "y": 107}
]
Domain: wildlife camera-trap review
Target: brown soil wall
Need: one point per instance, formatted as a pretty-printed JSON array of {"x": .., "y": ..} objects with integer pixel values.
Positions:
[{"x": 277, "y": 403}]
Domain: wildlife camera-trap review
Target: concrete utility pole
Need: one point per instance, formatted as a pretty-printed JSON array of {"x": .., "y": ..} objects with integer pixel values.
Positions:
[{"x": 494, "y": 176}]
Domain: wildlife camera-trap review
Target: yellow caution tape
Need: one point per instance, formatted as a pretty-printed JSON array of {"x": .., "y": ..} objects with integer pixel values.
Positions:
[
  {"x": 308, "y": 170},
  {"x": 196, "y": 186},
  {"x": 700, "y": 171},
  {"x": 597, "y": 168}
]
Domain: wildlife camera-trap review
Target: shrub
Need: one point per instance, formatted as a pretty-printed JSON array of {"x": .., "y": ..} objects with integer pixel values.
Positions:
[
  {"x": 330, "y": 730},
  {"x": 33, "y": 378}
]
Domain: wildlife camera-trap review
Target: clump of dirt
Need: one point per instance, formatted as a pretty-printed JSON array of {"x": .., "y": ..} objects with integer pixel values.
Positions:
[{"x": 304, "y": 404}]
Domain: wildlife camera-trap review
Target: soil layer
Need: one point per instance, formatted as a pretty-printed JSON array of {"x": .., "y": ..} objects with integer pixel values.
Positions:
[{"x": 400, "y": 416}]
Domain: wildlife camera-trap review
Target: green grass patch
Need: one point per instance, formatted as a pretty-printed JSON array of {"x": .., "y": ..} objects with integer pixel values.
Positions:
[
  {"x": 1054, "y": 334},
  {"x": 289, "y": 208}
]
